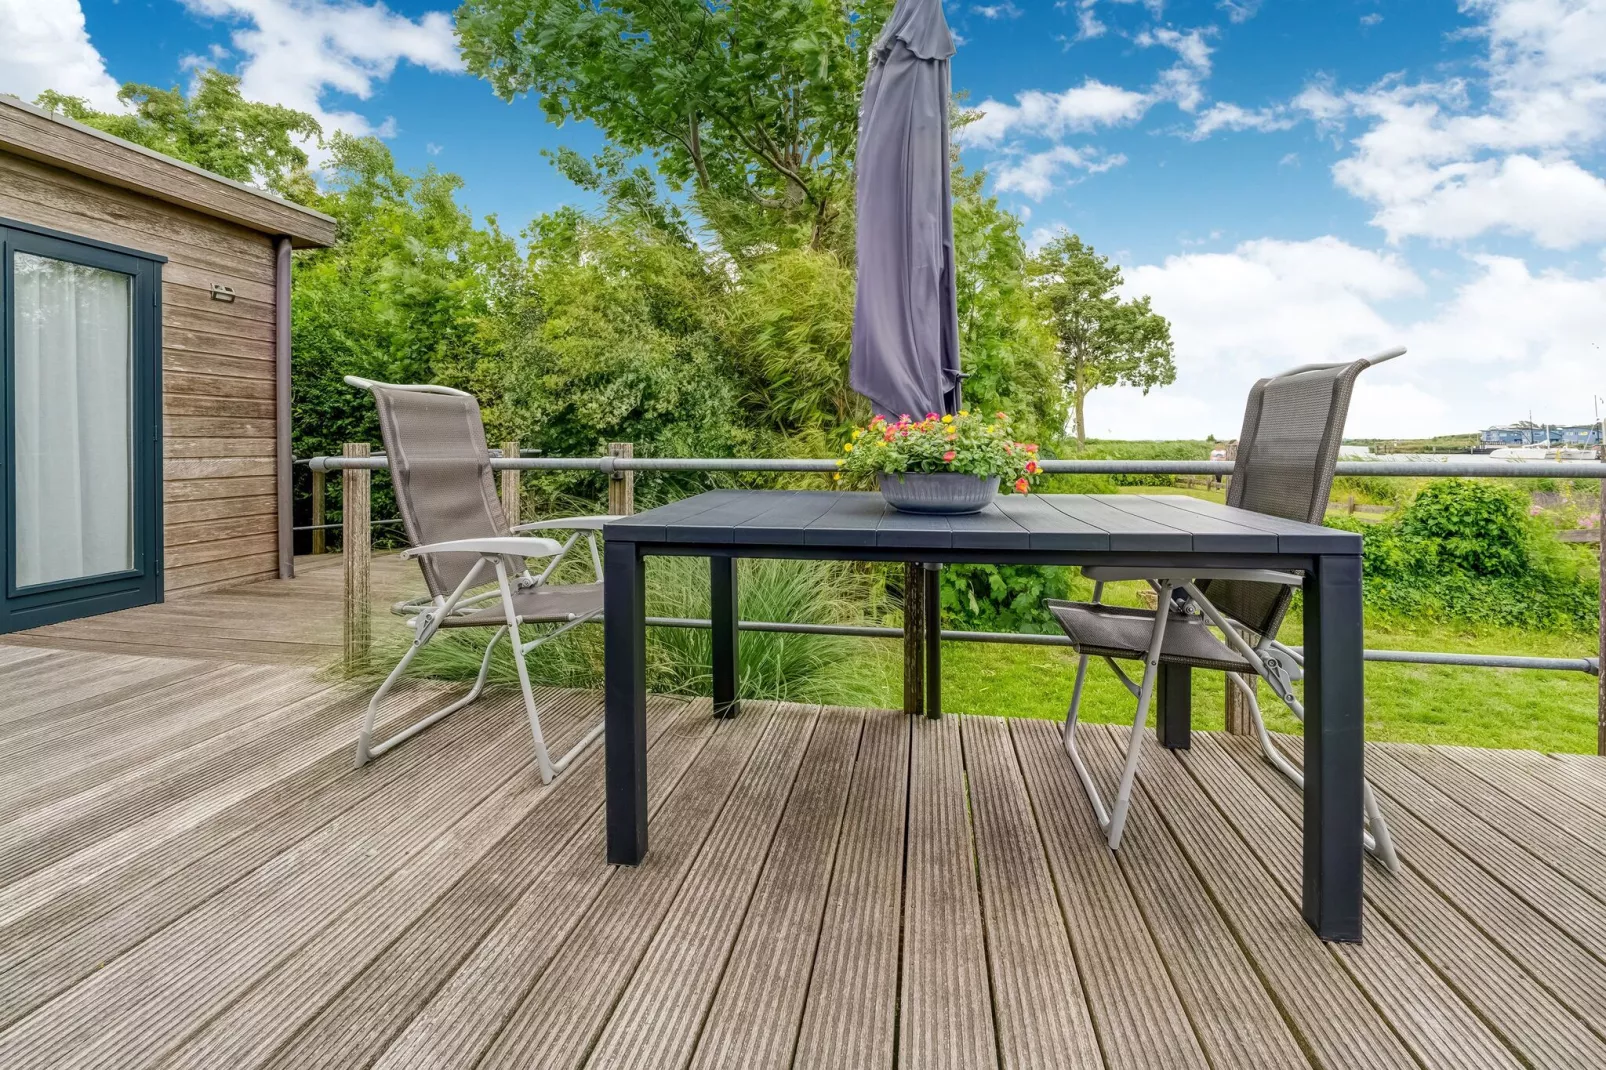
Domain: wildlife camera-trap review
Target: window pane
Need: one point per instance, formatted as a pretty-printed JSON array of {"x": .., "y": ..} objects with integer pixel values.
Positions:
[{"x": 74, "y": 390}]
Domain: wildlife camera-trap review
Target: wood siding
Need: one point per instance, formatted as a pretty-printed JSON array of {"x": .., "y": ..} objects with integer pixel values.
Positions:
[{"x": 218, "y": 407}]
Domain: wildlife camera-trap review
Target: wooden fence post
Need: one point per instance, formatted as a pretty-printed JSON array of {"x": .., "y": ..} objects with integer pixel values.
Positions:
[
  {"x": 357, "y": 547},
  {"x": 319, "y": 542},
  {"x": 1240, "y": 722},
  {"x": 914, "y": 639},
  {"x": 510, "y": 484},
  {"x": 621, "y": 483}
]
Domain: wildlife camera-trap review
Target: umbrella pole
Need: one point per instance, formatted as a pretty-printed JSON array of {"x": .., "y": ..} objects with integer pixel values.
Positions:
[{"x": 914, "y": 638}]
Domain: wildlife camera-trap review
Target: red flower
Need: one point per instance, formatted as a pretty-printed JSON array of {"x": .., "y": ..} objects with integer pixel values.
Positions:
[
  {"x": 1031, "y": 468},
  {"x": 1021, "y": 486},
  {"x": 949, "y": 456},
  {"x": 931, "y": 416}
]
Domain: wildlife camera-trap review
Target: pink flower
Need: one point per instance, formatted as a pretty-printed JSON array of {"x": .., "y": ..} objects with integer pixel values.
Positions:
[
  {"x": 949, "y": 456},
  {"x": 931, "y": 416}
]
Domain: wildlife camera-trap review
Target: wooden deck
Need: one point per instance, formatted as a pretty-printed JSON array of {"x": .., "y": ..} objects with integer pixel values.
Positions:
[{"x": 192, "y": 875}]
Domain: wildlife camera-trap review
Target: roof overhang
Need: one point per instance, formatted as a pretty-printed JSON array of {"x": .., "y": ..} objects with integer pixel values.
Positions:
[{"x": 56, "y": 140}]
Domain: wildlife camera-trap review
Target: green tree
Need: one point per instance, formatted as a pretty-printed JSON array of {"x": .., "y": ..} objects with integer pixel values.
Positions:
[
  {"x": 752, "y": 102},
  {"x": 1101, "y": 339},
  {"x": 213, "y": 128},
  {"x": 1004, "y": 346}
]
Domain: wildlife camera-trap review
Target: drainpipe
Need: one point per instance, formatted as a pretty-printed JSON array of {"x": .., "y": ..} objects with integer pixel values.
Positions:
[{"x": 281, "y": 407}]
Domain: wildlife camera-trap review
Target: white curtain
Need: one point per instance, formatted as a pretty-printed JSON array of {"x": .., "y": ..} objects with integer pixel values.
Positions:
[{"x": 71, "y": 428}]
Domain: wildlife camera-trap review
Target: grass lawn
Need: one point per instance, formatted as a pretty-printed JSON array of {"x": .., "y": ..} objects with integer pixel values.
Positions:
[{"x": 1539, "y": 710}]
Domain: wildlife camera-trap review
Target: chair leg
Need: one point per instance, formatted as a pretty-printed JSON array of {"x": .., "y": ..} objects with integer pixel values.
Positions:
[
  {"x": 1113, "y": 822},
  {"x": 1134, "y": 743},
  {"x": 368, "y": 750},
  {"x": 1068, "y": 738},
  {"x": 1379, "y": 842},
  {"x": 542, "y": 760}
]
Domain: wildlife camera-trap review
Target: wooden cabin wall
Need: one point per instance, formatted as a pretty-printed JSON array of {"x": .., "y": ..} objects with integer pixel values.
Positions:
[{"x": 218, "y": 408}]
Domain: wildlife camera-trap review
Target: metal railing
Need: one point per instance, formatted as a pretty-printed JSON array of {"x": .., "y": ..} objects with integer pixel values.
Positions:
[{"x": 621, "y": 468}]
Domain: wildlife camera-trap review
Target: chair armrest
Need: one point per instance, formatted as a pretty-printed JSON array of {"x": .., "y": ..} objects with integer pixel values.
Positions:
[
  {"x": 1112, "y": 573},
  {"x": 569, "y": 523},
  {"x": 511, "y": 545}
]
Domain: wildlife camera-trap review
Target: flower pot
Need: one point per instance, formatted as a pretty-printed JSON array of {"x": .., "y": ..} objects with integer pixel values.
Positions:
[{"x": 937, "y": 492}]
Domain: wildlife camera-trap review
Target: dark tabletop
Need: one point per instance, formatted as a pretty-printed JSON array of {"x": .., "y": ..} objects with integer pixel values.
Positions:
[{"x": 839, "y": 520}]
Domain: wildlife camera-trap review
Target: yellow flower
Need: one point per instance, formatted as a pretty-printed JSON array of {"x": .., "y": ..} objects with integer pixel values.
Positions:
[
  {"x": 991, "y": 430},
  {"x": 840, "y": 463},
  {"x": 948, "y": 419},
  {"x": 847, "y": 447},
  {"x": 836, "y": 475},
  {"x": 881, "y": 442},
  {"x": 857, "y": 433},
  {"x": 964, "y": 412}
]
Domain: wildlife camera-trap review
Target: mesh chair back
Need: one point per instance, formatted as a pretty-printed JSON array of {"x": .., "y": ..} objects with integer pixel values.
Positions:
[
  {"x": 441, "y": 469},
  {"x": 1293, "y": 427}
]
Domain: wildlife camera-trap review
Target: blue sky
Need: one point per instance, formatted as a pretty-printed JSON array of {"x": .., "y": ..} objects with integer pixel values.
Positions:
[{"x": 1290, "y": 180}]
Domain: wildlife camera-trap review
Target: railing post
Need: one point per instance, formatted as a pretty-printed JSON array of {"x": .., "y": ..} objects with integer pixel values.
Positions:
[
  {"x": 1240, "y": 722},
  {"x": 510, "y": 484},
  {"x": 357, "y": 547},
  {"x": 1600, "y": 680},
  {"x": 621, "y": 484},
  {"x": 319, "y": 543},
  {"x": 914, "y": 638}
]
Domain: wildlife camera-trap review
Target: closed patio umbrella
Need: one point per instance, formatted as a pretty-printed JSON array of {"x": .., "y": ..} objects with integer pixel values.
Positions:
[{"x": 905, "y": 355}]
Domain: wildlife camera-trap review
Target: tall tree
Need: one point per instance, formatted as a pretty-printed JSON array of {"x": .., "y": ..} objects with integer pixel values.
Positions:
[
  {"x": 1101, "y": 339},
  {"x": 749, "y": 101},
  {"x": 213, "y": 128}
]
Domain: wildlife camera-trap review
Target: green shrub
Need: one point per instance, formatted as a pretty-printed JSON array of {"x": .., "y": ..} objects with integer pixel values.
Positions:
[
  {"x": 1467, "y": 551},
  {"x": 1001, "y": 598},
  {"x": 797, "y": 668}
]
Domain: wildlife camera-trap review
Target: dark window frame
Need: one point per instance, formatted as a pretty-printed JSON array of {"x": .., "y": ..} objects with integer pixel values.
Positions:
[{"x": 49, "y": 603}]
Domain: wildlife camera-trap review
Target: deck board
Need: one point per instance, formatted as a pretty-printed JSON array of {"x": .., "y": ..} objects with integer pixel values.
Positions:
[
  {"x": 945, "y": 1017},
  {"x": 849, "y": 1019},
  {"x": 195, "y": 876},
  {"x": 753, "y": 1021}
]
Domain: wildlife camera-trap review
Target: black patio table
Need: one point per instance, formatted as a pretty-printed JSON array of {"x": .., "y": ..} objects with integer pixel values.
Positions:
[{"x": 1167, "y": 531}]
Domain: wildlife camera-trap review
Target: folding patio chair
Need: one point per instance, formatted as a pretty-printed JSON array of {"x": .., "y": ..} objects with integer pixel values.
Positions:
[
  {"x": 1287, "y": 453},
  {"x": 441, "y": 470}
]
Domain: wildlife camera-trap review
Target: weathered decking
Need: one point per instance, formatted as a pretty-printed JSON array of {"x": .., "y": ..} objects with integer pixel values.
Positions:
[{"x": 191, "y": 875}]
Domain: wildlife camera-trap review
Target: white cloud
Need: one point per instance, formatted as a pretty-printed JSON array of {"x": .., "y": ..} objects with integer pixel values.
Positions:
[
  {"x": 1225, "y": 116},
  {"x": 1451, "y": 160},
  {"x": 1033, "y": 175},
  {"x": 1240, "y": 10},
  {"x": 1006, "y": 10},
  {"x": 1371, "y": 19},
  {"x": 45, "y": 45},
  {"x": 299, "y": 51},
  {"x": 1183, "y": 82},
  {"x": 1504, "y": 341},
  {"x": 1036, "y": 113}
]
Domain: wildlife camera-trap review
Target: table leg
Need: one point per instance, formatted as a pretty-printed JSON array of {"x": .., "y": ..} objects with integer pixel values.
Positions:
[
  {"x": 933, "y": 585},
  {"x": 624, "y": 603},
  {"x": 1174, "y": 724},
  {"x": 727, "y": 656},
  {"x": 1334, "y": 755}
]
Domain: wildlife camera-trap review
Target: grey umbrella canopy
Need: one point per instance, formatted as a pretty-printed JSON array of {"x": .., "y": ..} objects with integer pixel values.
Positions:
[{"x": 905, "y": 356}]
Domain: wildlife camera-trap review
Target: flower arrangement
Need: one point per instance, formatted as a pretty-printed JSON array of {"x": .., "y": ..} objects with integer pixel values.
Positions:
[{"x": 965, "y": 442}]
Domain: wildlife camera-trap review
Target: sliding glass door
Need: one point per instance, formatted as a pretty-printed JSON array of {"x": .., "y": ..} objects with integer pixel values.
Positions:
[{"x": 81, "y": 428}]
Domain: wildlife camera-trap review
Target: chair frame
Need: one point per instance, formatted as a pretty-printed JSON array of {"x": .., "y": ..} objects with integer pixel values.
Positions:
[
  {"x": 427, "y": 615},
  {"x": 1178, "y": 594}
]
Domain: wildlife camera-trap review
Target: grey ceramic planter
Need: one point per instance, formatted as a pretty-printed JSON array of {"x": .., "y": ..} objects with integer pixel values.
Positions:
[{"x": 937, "y": 492}]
